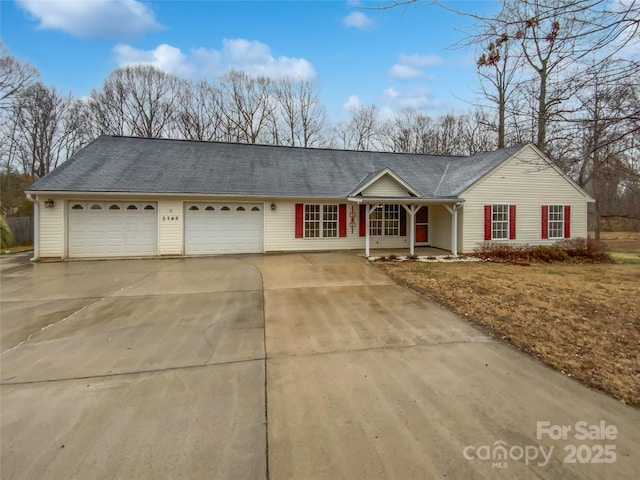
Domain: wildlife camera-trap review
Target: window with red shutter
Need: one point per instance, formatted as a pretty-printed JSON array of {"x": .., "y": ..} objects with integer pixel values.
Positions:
[
  {"x": 487, "y": 222},
  {"x": 545, "y": 221},
  {"x": 363, "y": 220},
  {"x": 299, "y": 220},
  {"x": 567, "y": 221},
  {"x": 512, "y": 222},
  {"x": 342, "y": 220}
]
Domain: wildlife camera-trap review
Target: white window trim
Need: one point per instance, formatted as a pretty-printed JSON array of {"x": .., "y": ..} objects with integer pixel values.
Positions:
[
  {"x": 320, "y": 220},
  {"x": 561, "y": 221},
  {"x": 501, "y": 221}
]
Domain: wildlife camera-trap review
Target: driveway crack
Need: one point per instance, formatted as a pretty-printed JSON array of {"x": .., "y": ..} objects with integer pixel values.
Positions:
[{"x": 53, "y": 324}]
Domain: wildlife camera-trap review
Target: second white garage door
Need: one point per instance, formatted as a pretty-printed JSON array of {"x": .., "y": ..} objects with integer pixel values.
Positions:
[{"x": 211, "y": 228}]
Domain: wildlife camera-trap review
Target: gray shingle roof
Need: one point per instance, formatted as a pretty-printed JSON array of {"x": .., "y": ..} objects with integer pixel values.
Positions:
[{"x": 145, "y": 165}]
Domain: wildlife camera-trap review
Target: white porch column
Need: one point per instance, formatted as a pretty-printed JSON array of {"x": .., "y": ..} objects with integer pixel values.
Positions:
[
  {"x": 453, "y": 210},
  {"x": 366, "y": 242},
  {"x": 411, "y": 210}
]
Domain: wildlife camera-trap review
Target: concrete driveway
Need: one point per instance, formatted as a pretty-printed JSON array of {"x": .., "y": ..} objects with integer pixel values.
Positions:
[{"x": 156, "y": 369}]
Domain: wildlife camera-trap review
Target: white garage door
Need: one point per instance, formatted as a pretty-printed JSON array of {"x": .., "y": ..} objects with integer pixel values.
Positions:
[
  {"x": 113, "y": 229},
  {"x": 211, "y": 228}
]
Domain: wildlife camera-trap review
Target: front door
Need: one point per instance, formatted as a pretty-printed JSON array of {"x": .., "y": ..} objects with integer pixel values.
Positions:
[{"x": 422, "y": 225}]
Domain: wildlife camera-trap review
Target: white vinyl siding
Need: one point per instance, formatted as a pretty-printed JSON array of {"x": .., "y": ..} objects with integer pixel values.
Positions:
[
  {"x": 385, "y": 186},
  {"x": 280, "y": 231},
  {"x": 527, "y": 181},
  {"x": 51, "y": 229},
  {"x": 170, "y": 227}
]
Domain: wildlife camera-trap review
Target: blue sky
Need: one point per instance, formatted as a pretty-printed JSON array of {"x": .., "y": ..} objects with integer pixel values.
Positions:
[{"x": 395, "y": 58}]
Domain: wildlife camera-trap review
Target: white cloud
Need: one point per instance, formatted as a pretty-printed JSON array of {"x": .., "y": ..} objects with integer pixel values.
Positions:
[
  {"x": 410, "y": 67},
  {"x": 358, "y": 20},
  {"x": 404, "y": 72},
  {"x": 255, "y": 57},
  {"x": 249, "y": 56},
  {"x": 421, "y": 61},
  {"x": 352, "y": 102},
  {"x": 120, "y": 19},
  {"x": 165, "y": 57},
  {"x": 416, "y": 98}
]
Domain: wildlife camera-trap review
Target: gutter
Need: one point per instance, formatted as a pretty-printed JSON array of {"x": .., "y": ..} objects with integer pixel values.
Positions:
[{"x": 407, "y": 200}]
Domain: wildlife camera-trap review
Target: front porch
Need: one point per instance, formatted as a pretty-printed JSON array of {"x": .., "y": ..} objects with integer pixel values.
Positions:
[{"x": 430, "y": 226}]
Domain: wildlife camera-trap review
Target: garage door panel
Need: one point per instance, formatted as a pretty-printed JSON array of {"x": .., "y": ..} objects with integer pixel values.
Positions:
[
  {"x": 213, "y": 228},
  {"x": 113, "y": 229}
]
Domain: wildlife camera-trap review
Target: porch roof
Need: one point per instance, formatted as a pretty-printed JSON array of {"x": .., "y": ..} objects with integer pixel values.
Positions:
[{"x": 406, "y": 200}]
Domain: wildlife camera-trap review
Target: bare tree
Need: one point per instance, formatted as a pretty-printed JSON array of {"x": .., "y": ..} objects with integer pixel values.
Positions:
[
  {"x": 248, "y": 105},
  {"x": 138, "y": 100},
  {"x": 14, "y": 77},
  {"x": 43, "y": 129},
  {"x": 303, "y": 116},
  {"x": 362, "y": 130},
  {"x": 200, "y": 115}
]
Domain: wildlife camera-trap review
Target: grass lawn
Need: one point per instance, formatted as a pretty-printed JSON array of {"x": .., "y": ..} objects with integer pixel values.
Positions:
[{"x": 581, "y": 319}]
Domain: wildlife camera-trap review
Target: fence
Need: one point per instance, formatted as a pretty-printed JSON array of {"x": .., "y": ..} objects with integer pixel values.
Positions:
[{"x": 22, "y": 228}]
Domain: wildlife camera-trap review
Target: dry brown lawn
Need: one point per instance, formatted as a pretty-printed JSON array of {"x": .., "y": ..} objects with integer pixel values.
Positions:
[{"x": 581, "y": 319}]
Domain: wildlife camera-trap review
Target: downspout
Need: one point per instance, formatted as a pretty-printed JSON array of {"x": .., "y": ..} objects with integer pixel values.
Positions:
[{"x": 36, "y": 226}]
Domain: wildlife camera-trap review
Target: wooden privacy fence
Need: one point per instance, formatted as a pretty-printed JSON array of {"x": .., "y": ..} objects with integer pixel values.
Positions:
[{"x": 22, "y": 228}]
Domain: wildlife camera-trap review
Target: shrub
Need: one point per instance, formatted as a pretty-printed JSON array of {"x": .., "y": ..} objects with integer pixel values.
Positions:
[
  {"x": 579, "y": 249},
  {"x": 584, "y": 249}
]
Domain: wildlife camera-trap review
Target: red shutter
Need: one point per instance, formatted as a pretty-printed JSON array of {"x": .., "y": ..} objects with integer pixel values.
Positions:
[
  {"x": 299, "y": 220},
  {"x": 342, "y": 220},
  {"x": 363, "y": 220},
  {"x": 512, "y": 222},
  {"x": 545, "y": 221},
  {"x": 403, "y": 221},
  {"x": 487, "y": 222},
  {"x": 567, "y": 221}
]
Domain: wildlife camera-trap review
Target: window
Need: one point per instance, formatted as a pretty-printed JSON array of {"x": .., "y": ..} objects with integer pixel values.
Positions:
[
  {"x": 149, "y": 207},
  {"x": 320, "y": 221},
  {"x": 329, "y": 221},
  {"x": 225, "y": 209},
  {"x": 114, "y": 207},
  {"x": 95, "y": 206},
  {"x": 210, "y": 208},
  {"x": 193, "y": 207},
  {"x": 375, "y": 222},
  {"x": 77, "y": 206},
  {"x": 132, "y": 207},
  {"x": 500, "y": 222},
  {"x": 385, "y": 220},
  {"x": 392, "y": 220},
  {"x": 311, "y": 221},
  {"x": 556, "y": 221},
  {"x": 255, "y": 209},
  {"x": 240, "y": 209}
]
